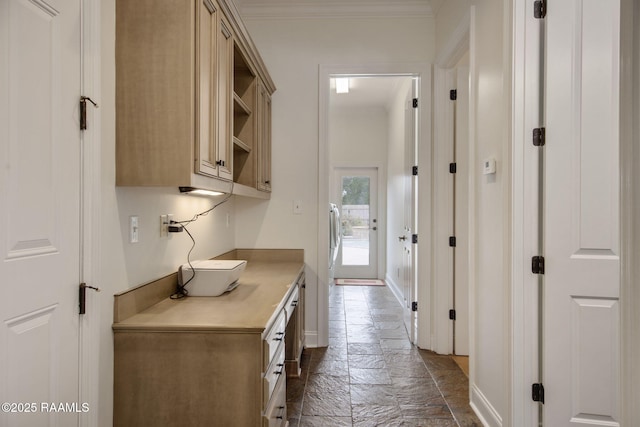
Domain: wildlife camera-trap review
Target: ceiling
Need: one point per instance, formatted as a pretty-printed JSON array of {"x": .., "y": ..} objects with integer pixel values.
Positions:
[
  {"x": 366, "y": 92},
  {"x": 335, "y": 8}
]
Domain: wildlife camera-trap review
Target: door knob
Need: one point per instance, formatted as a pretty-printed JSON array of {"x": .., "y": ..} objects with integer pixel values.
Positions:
[
  {"x": 402, "y": 238},
  {"x": 374, "y": 228}
]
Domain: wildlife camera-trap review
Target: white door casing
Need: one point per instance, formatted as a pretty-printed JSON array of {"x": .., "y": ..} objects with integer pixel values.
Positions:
[
  {"x": 40, "y": 186},
  {"x": 581, "y": 358}
]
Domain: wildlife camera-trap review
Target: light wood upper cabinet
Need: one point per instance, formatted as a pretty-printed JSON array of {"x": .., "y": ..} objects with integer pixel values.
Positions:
[
  {"x": 182, "y": 76},
  {"x": 264, "y": 139}
]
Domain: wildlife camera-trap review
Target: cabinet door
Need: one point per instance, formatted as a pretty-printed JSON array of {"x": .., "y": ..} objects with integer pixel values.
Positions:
[
  {"x": 206, "y": 90},
  {"x": 264, "y": 139},
  {"x": 225, "y": 100}
]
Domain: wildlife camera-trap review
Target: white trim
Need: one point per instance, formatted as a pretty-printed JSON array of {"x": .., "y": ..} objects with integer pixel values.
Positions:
[
  {"x": 394, "y": 288},
  {"x": 457, "y": 45},
  {"x": 422, "y": 70},
  {"x": 89, "y": 330},
  {"x": 526, "y": 87},
  {"x": 335, "y": 9},
  {"x": 311, "y": 339},
  {"x": 483, "y": 408}
]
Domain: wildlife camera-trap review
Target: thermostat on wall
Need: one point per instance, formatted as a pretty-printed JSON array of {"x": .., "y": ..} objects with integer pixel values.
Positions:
[{"x": 489, "y": 166}]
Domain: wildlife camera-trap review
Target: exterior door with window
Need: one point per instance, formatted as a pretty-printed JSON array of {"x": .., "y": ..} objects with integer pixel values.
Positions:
[{"x": 358, "y": 252}]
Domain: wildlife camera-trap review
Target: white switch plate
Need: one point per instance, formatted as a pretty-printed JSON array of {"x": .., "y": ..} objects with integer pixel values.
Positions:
[
  {"x": 133, "y": 229},
  {"x": 297, "y": 207},
  {"x": 489, "y": 167},
  {"x": 165, "y": 220}
]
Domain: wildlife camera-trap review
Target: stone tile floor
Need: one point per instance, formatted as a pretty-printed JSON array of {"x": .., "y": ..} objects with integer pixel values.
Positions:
[{"x": 371, "y": 374}]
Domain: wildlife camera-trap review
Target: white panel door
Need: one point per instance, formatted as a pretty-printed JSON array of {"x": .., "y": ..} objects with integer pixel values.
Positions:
[
  {"x": 461, "y": 217},
  {"x": 39, "y": 209},
  {"x": 409, "y": 250},
  {"x": 581, "y": 363}
]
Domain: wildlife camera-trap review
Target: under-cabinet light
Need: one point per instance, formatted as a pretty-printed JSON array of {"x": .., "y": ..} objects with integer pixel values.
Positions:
[
  {"x": 199, "y": 191},
  {"x": 342, "y": 85}
]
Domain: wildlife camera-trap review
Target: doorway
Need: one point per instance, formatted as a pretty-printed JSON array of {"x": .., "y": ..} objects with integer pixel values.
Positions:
[{"x": 357, "y": 200}]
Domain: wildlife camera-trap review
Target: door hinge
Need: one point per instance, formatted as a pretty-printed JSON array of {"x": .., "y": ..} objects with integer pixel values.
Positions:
[
  {"x": 453, "y": 167},
  {"x": 452, "y": 241},
  {"x": 537, "y": 392},
  {"x": 539, "y": 137},
  {"x": 414, "y": 238},
  {"x": 415, "y": 102},
  {"x": 453, "y": 94},
  {"x": 83, "y": 111},
  {"x": 82, "y": 297},
  {"x": 540, "y": 9},
  {"x": 452, "y": 315},
  {"x": 414, "y": 170},
  {"x": 414, "y": 306},
  {"x": 537, "y": 264}
]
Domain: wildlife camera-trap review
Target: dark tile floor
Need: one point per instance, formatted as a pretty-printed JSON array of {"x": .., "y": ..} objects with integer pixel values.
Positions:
[{"x": 371, "y": 374}]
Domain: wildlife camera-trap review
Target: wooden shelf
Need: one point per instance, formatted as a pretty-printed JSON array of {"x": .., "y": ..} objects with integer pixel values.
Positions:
[
  {"x": 239, "y": 106},
  {"x": 240, "y": 145}
]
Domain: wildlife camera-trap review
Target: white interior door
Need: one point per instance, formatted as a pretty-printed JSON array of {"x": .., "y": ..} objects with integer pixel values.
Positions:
[
  {"x": 461, "y": 217},
  {"x": 358, "y": 196},
  {"x": 581, "y": 335},
  {"x": 410, "y": 281},
  {"x": 40, "y": 82}
]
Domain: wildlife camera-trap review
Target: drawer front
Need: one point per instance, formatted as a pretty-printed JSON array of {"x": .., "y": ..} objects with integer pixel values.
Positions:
[
  {"x": 292, "y": 302},
  {"x": 273, "y": 339},
  {"x": 276, "y": 413},
  {"x": 272, "y": 375}
]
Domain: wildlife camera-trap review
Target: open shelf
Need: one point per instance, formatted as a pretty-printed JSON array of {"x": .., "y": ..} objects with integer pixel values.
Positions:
[
  {"x": 240, "y": 145},
  {"x": 239, "y": 106}
]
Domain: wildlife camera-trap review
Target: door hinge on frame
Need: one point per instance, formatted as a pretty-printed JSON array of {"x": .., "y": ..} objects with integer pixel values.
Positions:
[
  {"x": 414, "y": 306},
  {"x": 452, "y": 315},
  {"x": 453, "y": 94},
  {"x": 540, "y": 9},
  {"x": 414, "y": 238},
  {"x": 415, "y": 102},
  {"x": 82, "y": 297},
  {"x": 537, "y": 392},
  {"x": 537, "y": 264},
  {"x": 539, "y": 137},
  {"x": 83, "y": 111},
  {"x": 414, "y": 171},
  {"x": 453, "y": 167},
  {"x": 452, "y": 241}
]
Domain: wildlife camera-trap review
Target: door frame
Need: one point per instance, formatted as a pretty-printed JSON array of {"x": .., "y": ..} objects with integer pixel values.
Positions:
[
  {"x": 418, "y": 69},
  {"x": 90, "y": 263},
  {"x": 381, "y": 203}
]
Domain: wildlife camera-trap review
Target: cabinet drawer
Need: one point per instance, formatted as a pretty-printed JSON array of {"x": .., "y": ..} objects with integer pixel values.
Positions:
[
  {"x": 272, "y": 375},
  {"x": 292, "y": 302},
  {"x": 273, "y": 339},
  {"x": 276, "y": 413}
]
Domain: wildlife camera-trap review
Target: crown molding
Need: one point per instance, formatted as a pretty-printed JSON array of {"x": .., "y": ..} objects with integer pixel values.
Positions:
[{"x": 336, "y": 9}]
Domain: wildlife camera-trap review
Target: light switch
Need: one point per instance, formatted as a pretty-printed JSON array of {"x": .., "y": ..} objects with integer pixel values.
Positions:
[
  {"x": 297, "y": 207},
  {"x": 489, "y": 167}
]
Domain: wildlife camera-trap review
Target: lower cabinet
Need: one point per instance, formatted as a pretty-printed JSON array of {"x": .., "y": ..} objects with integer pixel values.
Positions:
[{"x": 199, "y": 377}]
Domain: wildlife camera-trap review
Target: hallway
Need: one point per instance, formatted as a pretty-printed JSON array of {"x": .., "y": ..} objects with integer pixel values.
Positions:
[{"x": 371, "y": 375}]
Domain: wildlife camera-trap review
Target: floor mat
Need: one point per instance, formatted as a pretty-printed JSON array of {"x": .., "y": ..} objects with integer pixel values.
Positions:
[{"x": 360, "y": 282}]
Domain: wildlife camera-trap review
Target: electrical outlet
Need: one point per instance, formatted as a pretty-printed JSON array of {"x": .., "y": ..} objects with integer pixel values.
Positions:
[
  {"x": 165, "y": 220},
  {"x": 134, "y": 229}
]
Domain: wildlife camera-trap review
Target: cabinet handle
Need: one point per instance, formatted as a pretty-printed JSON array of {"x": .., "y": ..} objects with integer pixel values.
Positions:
[
  {"x": 220, "y": 163},
  {"x": 267, "y": 182},
  {"x": 294, "y": 303}
]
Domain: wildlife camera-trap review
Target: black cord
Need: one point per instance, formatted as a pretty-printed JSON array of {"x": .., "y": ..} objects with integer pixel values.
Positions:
[{"x": 181, "y": 291}]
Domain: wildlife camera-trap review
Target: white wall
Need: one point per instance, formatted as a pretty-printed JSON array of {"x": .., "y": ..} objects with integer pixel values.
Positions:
[
  {"x": 125, "y": 265},
  {"x": 358, "y": 135},
  {"x": 293, "y": 50},
  {"x": 490, "y": 203}
]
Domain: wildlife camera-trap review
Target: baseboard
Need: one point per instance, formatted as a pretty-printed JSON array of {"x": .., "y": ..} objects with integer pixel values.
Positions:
[
  {"x": 394, "y": 289},
  {"x": 311, "y": 339},
  {"x": 483, "y": 408}
]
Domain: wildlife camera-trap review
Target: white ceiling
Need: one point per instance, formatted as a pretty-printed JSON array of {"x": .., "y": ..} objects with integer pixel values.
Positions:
[{"x": 365, "y": 92}]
